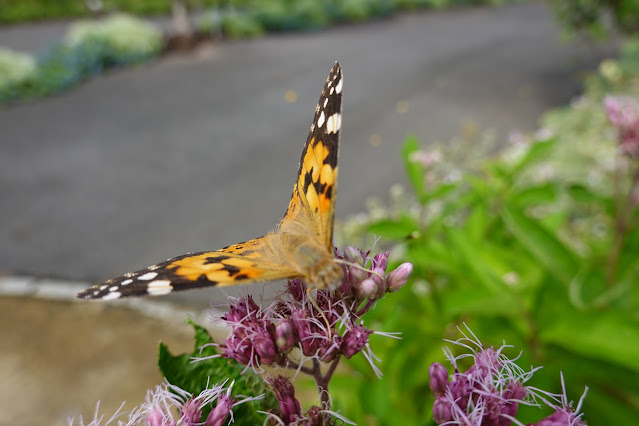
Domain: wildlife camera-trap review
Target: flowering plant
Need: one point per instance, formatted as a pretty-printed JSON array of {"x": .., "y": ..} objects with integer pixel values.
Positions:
[{"x": 299, "y": 332}]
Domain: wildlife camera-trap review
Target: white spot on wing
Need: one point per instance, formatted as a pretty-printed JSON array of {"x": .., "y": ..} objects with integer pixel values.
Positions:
[
  {"x": 334, "y": 123},
  {"x": 125, "y": 282},
  {"x": 102, "y": 287},
  {"x": 321, "y": 119},
  {"x": 111, "y": 296},
  {"x": 160, "y": 287},
  {"x": 332, "y": 90},
  {"x": 148, "y": 276},
  {"x": 114, "y": 288},
  {"x": 325, "y": 102},
  {"x": 338, "y": 88}
]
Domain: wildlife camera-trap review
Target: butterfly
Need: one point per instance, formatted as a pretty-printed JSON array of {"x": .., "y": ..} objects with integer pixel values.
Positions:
[{"x": 299, "y": 247}]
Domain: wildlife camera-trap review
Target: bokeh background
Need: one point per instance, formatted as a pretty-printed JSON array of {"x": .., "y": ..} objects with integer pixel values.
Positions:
[{"x": 131, "y": 132}]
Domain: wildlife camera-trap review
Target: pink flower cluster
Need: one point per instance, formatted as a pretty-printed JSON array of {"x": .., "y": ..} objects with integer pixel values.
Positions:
[
  {"x": 168, "y": 405},
  {"x": 266, "y": 336},
  {"x": 309, "y": 332},
  {"x": 623, "y": 113},
  {"x": 490, "y": 391}
]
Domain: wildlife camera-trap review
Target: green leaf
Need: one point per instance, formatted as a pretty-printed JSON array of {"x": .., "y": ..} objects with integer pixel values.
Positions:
[
  {"x": 541, "y": 244},
  {"x": 476, "y": 269},
  {"x": 181, "y": 371},
  {"x": 414, "y": 171},
  {"x": 609, "y": 336},
  {"x": 535, "y": 195},
  {"x": 586, "y": 195},
  {"x": 538, "y": 151}
]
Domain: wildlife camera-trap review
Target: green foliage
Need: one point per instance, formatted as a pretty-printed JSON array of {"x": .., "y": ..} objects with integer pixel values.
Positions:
[
  {"x": 31, "y": 10},
  {"x": 194, "y": 377},
  {"x": 275, "y": 15},
  {"x": 593, "y": 16},
  {"x": 88, "y": 49},
  {"x": 241, "y": 25},
  {"x": 536, "y": 246},
  {"x": 128, "y": 39},
  {"x": 15, "y": 69}
]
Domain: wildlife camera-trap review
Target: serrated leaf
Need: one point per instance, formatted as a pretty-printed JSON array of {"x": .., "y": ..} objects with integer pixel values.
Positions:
[{"x": 181, "y": 371}]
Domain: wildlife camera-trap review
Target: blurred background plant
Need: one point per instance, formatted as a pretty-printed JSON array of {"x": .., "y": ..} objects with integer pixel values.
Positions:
[
  {"x": 89, "y": 48},
  {"x": 535, "y": 244},
  {"x": 597, "y": 18},
  {"x": 29, "y": 10}
]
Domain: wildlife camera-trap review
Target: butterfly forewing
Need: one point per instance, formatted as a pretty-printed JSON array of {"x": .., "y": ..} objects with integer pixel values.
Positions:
[
  {"x": 311, "y": 208},
  {"x": 316, "y": 186}
]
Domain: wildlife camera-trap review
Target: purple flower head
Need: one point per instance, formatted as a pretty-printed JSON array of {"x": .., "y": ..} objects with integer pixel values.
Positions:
[
  {"x": 490, "y": 391},
  {"x": 623, "y": 113},
  {"x": 354, "y": 340},
  {"x": 191, "y": 412},
  {"x": 285, "y": 394}
]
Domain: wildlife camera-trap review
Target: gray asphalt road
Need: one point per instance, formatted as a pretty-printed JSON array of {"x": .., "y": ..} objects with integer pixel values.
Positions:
[{"x": 196, "y": 152}]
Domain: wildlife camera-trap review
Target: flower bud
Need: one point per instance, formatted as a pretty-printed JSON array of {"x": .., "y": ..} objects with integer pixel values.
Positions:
[
  {"x": 438, "y": 378},
  {"x": 368, "y": 288},
  {"x": 265, "y": 349},
  {"x": 356, "y": 275},
  {"x": 353, "y": 255},
  {"x": 378, "y": 275},
  {"x": 221, "y": 412},
  {"x": 285, "y": 395},
  {"x": 398, "y": 277},
  {"x": 284, "y": 336},
  {"x": 442, "y": 411},
  {"x": 381, "y": 261}
]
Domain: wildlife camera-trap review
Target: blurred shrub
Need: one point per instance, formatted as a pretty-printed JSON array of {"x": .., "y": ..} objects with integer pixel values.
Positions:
[
  {"x": 362, "y": 10},
  {"x": 123, "y": 38},
  {"x": 241, "y": 25},
  {"x": 598, "y": 17},
  {"x": 15, "y": 68},
  {"x": 537, "y": 245},
  {"x": 290, "y": 15},
  {"x": 30, "y": 10},
  {"x": 209, "y": 23},
  {"x": 88, "y": 49}
]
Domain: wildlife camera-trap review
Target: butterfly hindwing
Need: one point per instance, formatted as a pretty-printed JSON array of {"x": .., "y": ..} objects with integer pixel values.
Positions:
[
  {"x": 237, "y": 264},
  {"x": 316, "y": 186}
]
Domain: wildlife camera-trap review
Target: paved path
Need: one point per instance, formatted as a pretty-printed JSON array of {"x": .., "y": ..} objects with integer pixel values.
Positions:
[{"x": 195, "y": 152}]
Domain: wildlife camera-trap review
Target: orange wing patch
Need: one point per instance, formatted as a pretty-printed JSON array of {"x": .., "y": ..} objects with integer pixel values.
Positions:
[{"x": 217, "y": 268}]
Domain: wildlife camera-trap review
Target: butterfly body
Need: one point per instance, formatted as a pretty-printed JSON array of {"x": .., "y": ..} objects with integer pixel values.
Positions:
[{"x": 299, "y": 247}]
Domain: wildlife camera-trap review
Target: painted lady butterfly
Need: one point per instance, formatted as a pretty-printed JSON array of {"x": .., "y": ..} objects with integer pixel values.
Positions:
[{"x": 300, "y": 246}]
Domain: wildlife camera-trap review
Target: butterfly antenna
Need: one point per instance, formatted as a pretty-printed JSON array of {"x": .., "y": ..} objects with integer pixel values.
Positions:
[{"x": 314, "y": 302}]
